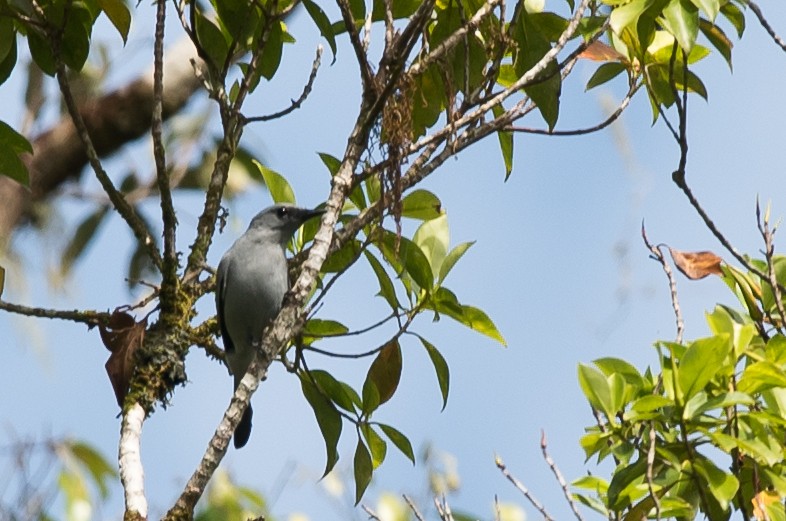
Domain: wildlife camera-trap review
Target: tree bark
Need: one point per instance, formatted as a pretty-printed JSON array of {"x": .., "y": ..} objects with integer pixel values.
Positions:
[{"x": 113, "y": 120}]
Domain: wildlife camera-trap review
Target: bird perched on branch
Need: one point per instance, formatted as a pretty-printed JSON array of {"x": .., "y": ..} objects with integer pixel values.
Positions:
[{"x": 250, "y": 286}]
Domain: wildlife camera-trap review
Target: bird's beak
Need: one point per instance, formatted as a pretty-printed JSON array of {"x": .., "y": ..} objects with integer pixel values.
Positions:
[{"x": 310, "y": 214}]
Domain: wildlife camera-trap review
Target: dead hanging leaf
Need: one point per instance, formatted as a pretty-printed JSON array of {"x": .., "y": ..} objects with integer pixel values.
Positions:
[
  {"x": 122, "y": 336},
  {"x": 761, "y": 501},
  {"x": 696, "y": 265},
  {"x": 601, "y": 52}
]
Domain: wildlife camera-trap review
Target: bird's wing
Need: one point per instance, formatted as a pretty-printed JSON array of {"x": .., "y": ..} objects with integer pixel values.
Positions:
[{"x": 221, "y": 286}]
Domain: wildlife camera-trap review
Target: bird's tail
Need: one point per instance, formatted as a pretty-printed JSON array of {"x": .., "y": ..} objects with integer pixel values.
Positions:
[{"x": 243, "y": 430}]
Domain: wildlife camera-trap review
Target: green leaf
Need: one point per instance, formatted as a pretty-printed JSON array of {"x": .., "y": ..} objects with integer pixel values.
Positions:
[
  {"x": 323, "y": 24},
  {"x": 718, "y": 402},
  {"x": 605, "y": 73},
  {"x": 341, "y": 393},
  {"x": 386, "y": 289},
  {"x": 433, "y": 238},
  {"x": 95, "y": 464},
  {"x": 532, "y": 46},
  {"x": 421, "y": 204},
  {"x": 342, "y": 258},
  {"x": 718, "y": 39},
  {"x": 328, "y": 419},
  {"x": 624, "y": 484},
  {"x": 118, "y": 13},
  {"x": 445, "y": 301},
  {"x": 505, "y": 142},
  {"x": 628, "y": 14},
  {"x": 83, "y": 236},
  {"x": 382, "y": 378},
  {"x": 7, "y": 37},
  {"x": 681, "y": 19},
  {"x": 331, "y": 162},
  {"x": 760, "y": 376},
  {"x": 271, "y": 54},
  {"x": 376, "y": 445},
  {"x": 319, "y": 328},
  {"x": 451, "y": 259},
  {"x": 363, "y": 469},
  {"x": 2, "y": 280},
  {"x": 710, "y": 7},
  {"x": 10, "y": 138},
  {"x": 41, "y": 52},
  {"x": 701, "y": 362},
  {"x": 722, "y": 486},
  {"x": 8, "y": 63},
  {"x": 75, "y": 44},
  {"x": 596, "y": 389},
  {"x": 440, "y": 368},
  {"x": 238, "y": 17},
  {"x": 211, "y": 39},
  {"x": 277, "y": 185},
  {"x": 399, "y": 440},
  {"x": 735, "y": 17},
  {"x": 411, "y": 257}
]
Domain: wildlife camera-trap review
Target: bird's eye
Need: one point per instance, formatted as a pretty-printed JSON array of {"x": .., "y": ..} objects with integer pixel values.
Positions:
[{"x": 282, "y": 212}]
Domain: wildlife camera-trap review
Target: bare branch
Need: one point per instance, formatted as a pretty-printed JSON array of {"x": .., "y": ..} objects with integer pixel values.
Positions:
[
  {"x": 523, "y": 489},
  {"x": 91, "y": 318},
  {"x": 557, "y": 474},
  {"x": 295, "y": 103},
  {"x": 650, "y": 465},
  {"x": 366, "y": 74},
  {"x": 657, "y": 255},
  {"x": 413, "y": 508},
  {"x": 764, "y": 23},
  {"x": 768, "y": 235}
]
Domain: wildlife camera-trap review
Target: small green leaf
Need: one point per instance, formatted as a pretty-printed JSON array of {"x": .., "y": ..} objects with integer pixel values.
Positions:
[
  {"x": 386, "y": 289},
  {"x": 376, "y": 445},
  {"x": 605, "y": 73},
  {"x": 421, "y": 204},
  {"x": 681, "y": 19},
  {"x": 323, "y": 24},
  {"x": 723, "y": 486},
  {"x": 701, "y": 362},
  {"x": 118, "y": 13},
  {"x": 97, "y": 466},
  {"x": 718, "y": 39},
  {"x": 440, "y": 368},
  {"x": 760, "y": 376},
  {"x": 319, "y": 328},
  {"x": 7, "y": 37},
  {"x": 10, "y": 138},
  {"x": 710, "y": 7},
  {"x": 8, "y": 63},
  {"x": 211, "y": 39},
  {"x": 363, "y": 469},
  {"x": 411, "y": 257},
  {"x": 239, "y": 18},
  {"x": 382, "y": 378},
  {"x": 331, "y": 162},
  {"x": 342, "y": 258},
  {"x": 452, "y": 258},
  {"x": 433, "y": 238},
  {"x": 735, "y": 17},
  {"x": 83, "y": 236},
  {"x": 596, "y": 389},
  {"x": 328, "y": 419},
  {"x": 341, "y": 393},
  {"x": 75, "y": 43},
  {"x": 505, "y": 143},
  {"x": 399, "y": 440},
  {"x": 628, "y": 14},
  {"x": 277, "y": 185},
  {"x": 445, "y": 301}
]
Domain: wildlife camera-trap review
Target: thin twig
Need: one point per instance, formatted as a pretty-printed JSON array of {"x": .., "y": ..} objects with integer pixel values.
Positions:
[
  {"x": 371, "y": 514},
  {"x": 764, "y": 23},
  {"x": 298, "y": 102},
  {"x": 91, "y": 318},
  {"x": 581, "y": 131},
  {"x": 523, "y": 489},
  {"x": 769, "y": 251},
  {"x": 657, "y": 254},
  {"x": 413, "y": 507},
  {"x": 557, "y": 474}
]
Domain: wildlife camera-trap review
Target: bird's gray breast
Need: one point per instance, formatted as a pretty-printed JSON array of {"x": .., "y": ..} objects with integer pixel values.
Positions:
[{"x": 256, "y": 281}]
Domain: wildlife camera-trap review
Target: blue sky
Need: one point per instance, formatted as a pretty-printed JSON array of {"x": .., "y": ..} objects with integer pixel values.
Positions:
[{"x": 558, "y": 265}]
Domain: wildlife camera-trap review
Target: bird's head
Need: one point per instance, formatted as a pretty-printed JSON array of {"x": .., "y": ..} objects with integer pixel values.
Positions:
[{"x": 281, "y": 221}]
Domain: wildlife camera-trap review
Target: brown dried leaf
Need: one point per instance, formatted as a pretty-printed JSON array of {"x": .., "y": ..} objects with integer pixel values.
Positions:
[
  {"x": 761, "y": 501},
  {"x": 601, "y": 52},
  {"x": 696, "y": 265},
  {"x": 122, "y": 336}
]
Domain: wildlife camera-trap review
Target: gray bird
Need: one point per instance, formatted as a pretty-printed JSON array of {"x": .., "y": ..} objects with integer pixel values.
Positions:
[{"x": 250, "y": 286}]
